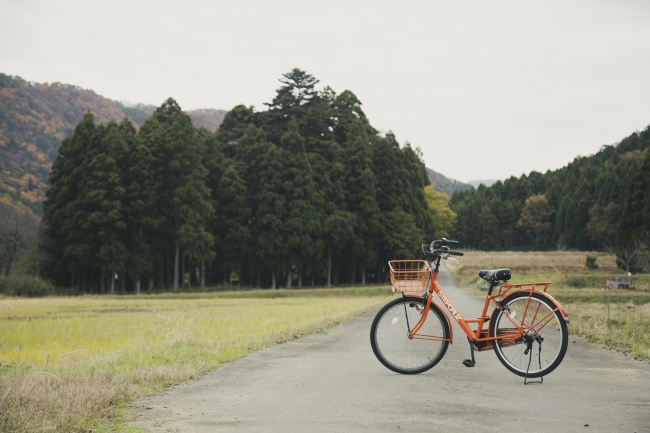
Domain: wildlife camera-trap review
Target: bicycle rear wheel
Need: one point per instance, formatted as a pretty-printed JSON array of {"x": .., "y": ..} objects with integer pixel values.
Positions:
[
  {"x": 389, "y": 336},
  {"x": 547, "y": 338}
]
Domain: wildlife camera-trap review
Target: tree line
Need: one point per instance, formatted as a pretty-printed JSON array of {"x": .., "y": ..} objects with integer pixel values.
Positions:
[
  {"x": 18, "y": 233},
  {"x": 599, "y": 202},
  {"x": 304, "y": 192}
]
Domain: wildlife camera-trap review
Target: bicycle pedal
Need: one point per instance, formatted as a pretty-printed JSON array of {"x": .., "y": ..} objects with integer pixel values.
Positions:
[{"x": 469, "y": 363}]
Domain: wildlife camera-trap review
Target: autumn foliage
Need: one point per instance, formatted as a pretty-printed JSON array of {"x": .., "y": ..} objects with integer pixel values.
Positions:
[{"x": 35, "y": 118}]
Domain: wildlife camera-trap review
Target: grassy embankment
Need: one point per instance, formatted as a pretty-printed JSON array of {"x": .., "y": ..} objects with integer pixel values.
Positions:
[
  {"x": 619, "y": 319},
  {"x": 73, "y": 364}
]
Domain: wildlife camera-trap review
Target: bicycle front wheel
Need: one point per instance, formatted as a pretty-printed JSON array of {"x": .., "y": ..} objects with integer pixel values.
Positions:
[
  {"x": 389, "y": 336},
  {"x": 543, "y": 347}
]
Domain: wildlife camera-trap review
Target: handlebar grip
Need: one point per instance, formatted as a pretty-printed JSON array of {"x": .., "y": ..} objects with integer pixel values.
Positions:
[{"x": 456, "y": 253}]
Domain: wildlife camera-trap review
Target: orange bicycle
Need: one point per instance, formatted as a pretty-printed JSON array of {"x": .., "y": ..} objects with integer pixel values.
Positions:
[{"x": 411, "y": 334}]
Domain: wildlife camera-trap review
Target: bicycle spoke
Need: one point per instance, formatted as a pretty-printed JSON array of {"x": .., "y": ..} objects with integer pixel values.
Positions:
[
  {"x": 542, "y": 346},
  {"x": 391, "y": 342}
]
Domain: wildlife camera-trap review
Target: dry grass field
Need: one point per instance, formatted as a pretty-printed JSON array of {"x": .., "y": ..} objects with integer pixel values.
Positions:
[
  {"x": 536, "y": 262},
  {"x": 72, "y": 364},
  {"x": 619, "y": 319}
]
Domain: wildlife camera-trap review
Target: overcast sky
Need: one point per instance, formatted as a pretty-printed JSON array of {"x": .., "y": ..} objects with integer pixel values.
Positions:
[{"x": 487, "y": 89}]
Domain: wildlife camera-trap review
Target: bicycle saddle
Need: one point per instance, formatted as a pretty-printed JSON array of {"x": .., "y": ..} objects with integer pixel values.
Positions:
[{"x": 496, "y": 275}]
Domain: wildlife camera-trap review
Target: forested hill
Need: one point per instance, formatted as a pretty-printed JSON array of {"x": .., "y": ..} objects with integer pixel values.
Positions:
[
  {"x": 307, "y": 191},
  {"x": 577, "y": 206},
  {"x": 35, "y": 118},
  {"x": 444, "y": 184}
]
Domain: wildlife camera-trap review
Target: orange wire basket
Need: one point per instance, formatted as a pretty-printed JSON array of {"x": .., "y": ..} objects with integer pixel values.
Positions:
[{"x": 409, "y": 275}]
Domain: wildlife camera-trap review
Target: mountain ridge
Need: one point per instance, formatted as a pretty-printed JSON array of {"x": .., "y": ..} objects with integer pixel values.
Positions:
[
  {"x": 446, "y": 184},
  {"x": 36, "y": 117},
  {"x": 486, "y": 182}
]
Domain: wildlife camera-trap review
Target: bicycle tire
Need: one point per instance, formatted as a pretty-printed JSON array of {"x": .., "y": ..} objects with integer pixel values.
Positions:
[
  {"x": 391, "y": 344},
  {"x": 555, "y": 335}
]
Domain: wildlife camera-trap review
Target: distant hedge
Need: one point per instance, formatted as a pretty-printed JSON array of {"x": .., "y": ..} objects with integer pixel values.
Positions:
[{"x": 28, "y": 287}]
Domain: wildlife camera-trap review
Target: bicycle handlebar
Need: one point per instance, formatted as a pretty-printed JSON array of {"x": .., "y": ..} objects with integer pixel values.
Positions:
[
  {"x": 442, "y": 243},
  {"x": 445, "y": 250},
  {"x": 448, "y": 251}
]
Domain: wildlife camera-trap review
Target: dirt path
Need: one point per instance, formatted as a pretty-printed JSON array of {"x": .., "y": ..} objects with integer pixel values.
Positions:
[{"x": 331, "y": 382}]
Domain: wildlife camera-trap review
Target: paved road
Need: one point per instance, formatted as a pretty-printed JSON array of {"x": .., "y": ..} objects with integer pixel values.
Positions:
[{"x": 331, "y": 382}]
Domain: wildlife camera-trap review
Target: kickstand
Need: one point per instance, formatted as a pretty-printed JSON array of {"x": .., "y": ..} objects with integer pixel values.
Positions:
[
  {"x": 529, "y": 349},
  {"x": 470, "y": 362}
]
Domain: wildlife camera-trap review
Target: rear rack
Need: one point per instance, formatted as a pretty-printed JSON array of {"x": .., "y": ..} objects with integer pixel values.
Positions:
[{"x": 506, "y": 287}]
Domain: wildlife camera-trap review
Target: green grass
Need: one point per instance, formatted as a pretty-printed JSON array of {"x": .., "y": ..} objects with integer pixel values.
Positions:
[
  {"x": 219, "y": 293},
  {"x": 73, "y": 364},
  {"x": 619, "y": 326}
]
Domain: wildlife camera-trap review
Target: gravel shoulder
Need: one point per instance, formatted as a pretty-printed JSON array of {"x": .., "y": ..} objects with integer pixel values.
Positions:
[{"x": 331, "y": 382}]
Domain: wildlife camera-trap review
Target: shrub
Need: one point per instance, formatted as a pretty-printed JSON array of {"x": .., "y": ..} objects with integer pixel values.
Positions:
[
  {"x": 28, "y": 287},
  {"x": 591, "y": 262},
  {"x": 577, "y": 281}
]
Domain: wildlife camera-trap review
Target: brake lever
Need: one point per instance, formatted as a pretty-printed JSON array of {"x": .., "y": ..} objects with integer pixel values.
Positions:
[{"x": 450, "y": 258}]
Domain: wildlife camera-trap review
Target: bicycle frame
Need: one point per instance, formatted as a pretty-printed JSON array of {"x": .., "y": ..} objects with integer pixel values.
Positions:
[{"x": 481, "y": 335}]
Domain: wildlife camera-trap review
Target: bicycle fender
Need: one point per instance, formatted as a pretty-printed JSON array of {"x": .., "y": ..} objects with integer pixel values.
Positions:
[
  {"x": 563, "y": 312},
  {"x": 444, "y": 313}
]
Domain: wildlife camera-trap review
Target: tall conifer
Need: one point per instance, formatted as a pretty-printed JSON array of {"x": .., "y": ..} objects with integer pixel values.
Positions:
[
  {"x": 299, "y": 99},
  {"x": 233, "y": 236},
  {"x": 142, "y": 215},
  {"x": 266, "y": 163},
  {"x": 362, "y": 200},
  {"x": 99, "y": 209},
  {"x": 634, "y": 224},
  {"x": 65, "y": 181},
  {"x": 302, "y": 224}
]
